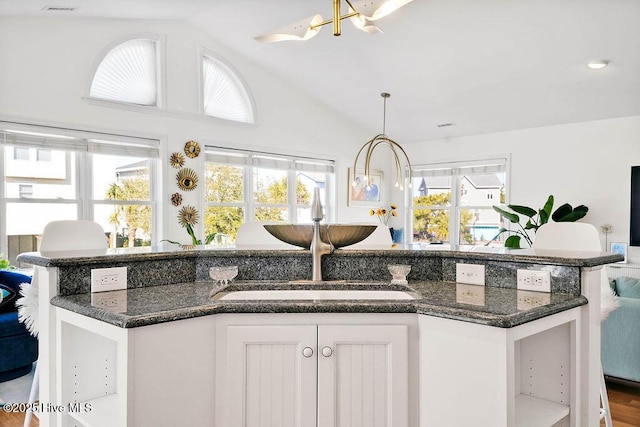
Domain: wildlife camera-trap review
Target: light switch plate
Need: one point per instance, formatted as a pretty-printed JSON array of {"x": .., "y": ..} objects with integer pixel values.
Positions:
[{"x": 472, "y": 274}]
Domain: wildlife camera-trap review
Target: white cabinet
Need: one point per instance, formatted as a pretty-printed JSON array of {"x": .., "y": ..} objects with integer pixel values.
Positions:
[
  {"x": 527, "y": 375},
  {"x": 313, "y": 370},
  {"x": 159, "y": 375}
]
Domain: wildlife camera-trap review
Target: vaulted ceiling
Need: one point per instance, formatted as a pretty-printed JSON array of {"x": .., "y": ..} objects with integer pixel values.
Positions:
[{"x": 484, "y": 65}]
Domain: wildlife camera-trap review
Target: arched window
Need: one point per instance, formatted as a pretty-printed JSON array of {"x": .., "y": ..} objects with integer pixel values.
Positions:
[
  {"x": 224, "y": 94},
  {"x": 128, "y": 73}
]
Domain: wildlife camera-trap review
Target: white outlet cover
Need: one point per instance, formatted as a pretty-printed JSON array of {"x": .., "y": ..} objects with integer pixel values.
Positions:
[
  {"x": 108, "y": 279},
  {"x": 534, "y": 280},
  {"x": 530, "y": 299},
  {"x": 470, "y": 294},
  {"x": 472, "y": 274},
  {"x": 114, "y": 301}
]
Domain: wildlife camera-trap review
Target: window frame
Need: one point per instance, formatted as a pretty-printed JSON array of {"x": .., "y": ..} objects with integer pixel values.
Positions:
[
  {"x": 83, "y": 198},
  {"x": 458, "y": 170},
  {"x": 248, "y": 205},
  {"x": 161, "y": 70},
  {"x": 238, "y": 79}
]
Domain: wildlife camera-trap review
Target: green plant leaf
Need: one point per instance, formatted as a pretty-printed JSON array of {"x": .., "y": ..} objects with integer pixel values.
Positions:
[
  {"x": 566, "y": 213},
  {"x": 209, "y": 238},
  {"x": 529, "y": 226},
  {"x": 524, "y": 210},
  {"x": 544, "y": 216},
  {"x": 170, "y": 241},
  {"x": 547, "y": 208},
  {"x": 508, "y": 215},
  {"x": 512, "y": 242}
]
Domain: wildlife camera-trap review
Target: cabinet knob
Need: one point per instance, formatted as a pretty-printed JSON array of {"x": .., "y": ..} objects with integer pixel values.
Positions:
[
  {"x": 327, "y": 351},
  {"x": 307, "y": 352}
]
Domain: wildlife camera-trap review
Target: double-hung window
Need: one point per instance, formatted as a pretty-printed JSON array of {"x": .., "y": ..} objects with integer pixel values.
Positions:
[
  {"x": 243, "y": 185},
  {"x": 54, "y": 174},
  {"x": 453, "y": 202}
]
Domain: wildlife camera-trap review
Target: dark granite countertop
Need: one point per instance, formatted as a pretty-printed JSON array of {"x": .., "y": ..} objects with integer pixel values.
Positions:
[
  {"x": 548, "y": 257},
  {"x": 491, "y": 306}
]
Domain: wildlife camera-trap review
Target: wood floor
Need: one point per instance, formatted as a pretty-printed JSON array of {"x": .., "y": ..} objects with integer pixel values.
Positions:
[{"x": 623, "y": 399}]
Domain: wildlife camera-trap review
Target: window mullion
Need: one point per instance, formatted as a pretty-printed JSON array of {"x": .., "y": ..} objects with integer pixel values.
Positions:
[
  {"x": 249, "y": 213},
  {"x": 454, "y": 212},
  {"x": 291, "y": 196},
  {"x": 84, "y": 185}
]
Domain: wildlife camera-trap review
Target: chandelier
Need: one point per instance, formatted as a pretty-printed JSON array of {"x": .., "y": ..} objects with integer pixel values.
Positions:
[
  {"x": 360, "y": 12},
  {"x": 398, "y": 153}
]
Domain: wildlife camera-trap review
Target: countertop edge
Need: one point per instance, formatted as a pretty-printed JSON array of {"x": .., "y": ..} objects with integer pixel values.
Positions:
[{"x": 265, "y": 307}]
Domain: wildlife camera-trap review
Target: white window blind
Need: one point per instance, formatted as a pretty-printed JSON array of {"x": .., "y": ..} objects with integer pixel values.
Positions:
[
  {"x": 224, "y": 95},
  {"x": 487, "y": 166},
  {"x": 48, "y": 139},
  {"x": 268, "y": 160},
  {"x": 128, "y": 73}
]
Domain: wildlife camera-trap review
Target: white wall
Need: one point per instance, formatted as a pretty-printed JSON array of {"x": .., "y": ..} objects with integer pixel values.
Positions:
[
  {"x": 46, "y": 70},
  {"x": 582, "y": 163}
]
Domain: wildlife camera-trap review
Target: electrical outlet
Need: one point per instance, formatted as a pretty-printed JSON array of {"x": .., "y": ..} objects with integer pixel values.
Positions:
[
  {"x": 470, "y": 294},
  {"x": 528, "y": 300},
  {"x": 114, "y": 301},
  {"x": 534, "y": 280},
  {"x": 108, "y": 279},
  {"x": 472, "y": 274}
]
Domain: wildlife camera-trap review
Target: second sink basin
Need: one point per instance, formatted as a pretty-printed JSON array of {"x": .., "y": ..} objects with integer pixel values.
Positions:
[{"x": 313, "y": 294}]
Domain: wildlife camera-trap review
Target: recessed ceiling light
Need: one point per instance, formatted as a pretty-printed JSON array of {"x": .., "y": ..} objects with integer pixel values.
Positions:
[{"x": 598, "y": 64}]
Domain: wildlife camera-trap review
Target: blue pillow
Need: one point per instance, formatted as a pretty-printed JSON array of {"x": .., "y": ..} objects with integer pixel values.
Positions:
[
  {"x": 628, "y": 287},
  {"x": 8, "y": 297}
]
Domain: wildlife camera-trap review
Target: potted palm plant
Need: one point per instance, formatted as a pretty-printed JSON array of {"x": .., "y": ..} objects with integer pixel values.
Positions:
[{"x": 535, "y": 219}]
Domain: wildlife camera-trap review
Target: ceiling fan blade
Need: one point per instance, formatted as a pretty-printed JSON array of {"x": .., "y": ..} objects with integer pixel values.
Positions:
[
  {"x": 376, "y": 9},
  {"x": 364, "y": 24},
  {"x": 300, "y": 30}
]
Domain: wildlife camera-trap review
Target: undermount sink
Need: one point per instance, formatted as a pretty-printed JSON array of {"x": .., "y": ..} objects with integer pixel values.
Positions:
[{"x": 313, "y": 294}]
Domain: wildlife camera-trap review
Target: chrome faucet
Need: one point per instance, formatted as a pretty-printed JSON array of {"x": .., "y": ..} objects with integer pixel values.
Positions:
[{"x": 318, "y": 246}]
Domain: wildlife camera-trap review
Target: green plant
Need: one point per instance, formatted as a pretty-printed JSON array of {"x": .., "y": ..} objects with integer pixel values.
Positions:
[
  {"x": 4, "y": 263},
  {"x": 188, "y": 217},
  {"x": 536, "y": 219}
]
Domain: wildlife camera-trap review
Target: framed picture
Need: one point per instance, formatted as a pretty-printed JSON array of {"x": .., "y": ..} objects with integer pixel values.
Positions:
[
  {"x": 361, "y": 194},
  {"x": 620, "y": 248}
]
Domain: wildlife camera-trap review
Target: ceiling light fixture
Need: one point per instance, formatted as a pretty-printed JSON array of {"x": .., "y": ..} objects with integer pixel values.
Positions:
[
  {"x": 395, "y": 149},
  {"x": 360, "y": 12},
  {"x": 59, "y": 9},
  {"x": 598, "y": 64}
]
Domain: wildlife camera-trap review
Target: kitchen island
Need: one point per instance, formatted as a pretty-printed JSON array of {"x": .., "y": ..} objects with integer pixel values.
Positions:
[{"x": 452, "y": 355}]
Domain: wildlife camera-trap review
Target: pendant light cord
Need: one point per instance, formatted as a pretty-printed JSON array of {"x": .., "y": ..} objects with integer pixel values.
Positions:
[{"x": 384, "y": 112}]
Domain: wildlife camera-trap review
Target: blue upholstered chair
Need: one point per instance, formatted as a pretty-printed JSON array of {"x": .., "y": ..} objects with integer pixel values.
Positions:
[{"x": 18, "y": 348}]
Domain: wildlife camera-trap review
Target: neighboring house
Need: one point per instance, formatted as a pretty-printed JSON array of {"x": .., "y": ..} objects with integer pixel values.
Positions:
[{"x": 477, "y": 190}]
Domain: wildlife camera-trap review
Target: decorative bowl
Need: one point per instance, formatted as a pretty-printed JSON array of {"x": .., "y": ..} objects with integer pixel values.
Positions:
[
  {"x": 399, "y": 273},
  {"x": 223, "y": 274},
  {"x": 339, "y": 234}
]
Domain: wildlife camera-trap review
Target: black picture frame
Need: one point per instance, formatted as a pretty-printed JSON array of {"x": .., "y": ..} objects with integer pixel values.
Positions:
[{"x": 634, "y": 238}]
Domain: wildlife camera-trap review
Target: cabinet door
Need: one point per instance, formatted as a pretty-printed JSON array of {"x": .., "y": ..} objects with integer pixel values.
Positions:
[
  {"x": 363, "y": 378},
  {"x": 269, "y": 381}
]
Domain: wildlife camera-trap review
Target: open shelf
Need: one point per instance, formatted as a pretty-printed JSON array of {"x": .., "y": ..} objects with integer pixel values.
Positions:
[
  {"x": 99, "y": 407},
  {"x": 534, "y": 412}
]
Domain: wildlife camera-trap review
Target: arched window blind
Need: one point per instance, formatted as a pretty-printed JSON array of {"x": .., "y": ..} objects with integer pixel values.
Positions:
[
  {"x": 224, "y": 95},
  {"x": 128, "y": 73}
]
